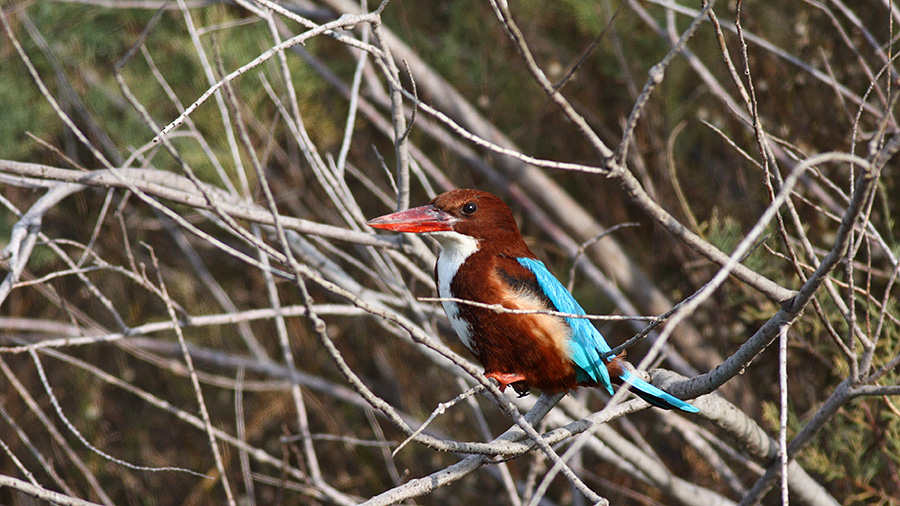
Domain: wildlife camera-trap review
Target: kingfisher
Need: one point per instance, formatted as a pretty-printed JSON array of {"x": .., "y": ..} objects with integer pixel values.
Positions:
[{"x": 484, "y": 260}]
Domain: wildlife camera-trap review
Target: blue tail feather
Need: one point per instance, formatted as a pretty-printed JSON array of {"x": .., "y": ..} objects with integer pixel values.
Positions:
[{"x": 654, "y": 395}]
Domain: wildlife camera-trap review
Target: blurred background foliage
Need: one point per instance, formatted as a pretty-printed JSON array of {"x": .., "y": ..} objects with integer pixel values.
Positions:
[{"x": 857, "y": 457}]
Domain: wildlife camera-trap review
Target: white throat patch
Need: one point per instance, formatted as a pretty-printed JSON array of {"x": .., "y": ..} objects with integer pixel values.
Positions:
[{"x": 455, "y": 249}]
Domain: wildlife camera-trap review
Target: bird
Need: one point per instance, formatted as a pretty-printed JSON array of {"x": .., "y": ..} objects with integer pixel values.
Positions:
[{"x": 484, "y": 261}]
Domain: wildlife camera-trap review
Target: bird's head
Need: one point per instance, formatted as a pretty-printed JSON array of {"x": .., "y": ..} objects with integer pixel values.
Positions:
[{"x": 474, "y": 214}]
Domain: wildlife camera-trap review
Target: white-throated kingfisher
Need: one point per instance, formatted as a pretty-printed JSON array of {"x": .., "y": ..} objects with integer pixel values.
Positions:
[{"x": 484, "y": 259}]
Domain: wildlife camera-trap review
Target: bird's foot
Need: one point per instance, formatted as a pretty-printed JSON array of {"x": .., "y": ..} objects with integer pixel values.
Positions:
[{"x": 505, "y": 379}]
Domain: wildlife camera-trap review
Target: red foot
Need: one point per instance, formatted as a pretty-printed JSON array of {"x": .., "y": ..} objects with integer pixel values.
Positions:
[{"x": 505, "y": 378}]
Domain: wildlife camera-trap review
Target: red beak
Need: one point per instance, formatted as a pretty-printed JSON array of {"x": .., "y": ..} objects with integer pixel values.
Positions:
[{"x": 419, "y": 220}]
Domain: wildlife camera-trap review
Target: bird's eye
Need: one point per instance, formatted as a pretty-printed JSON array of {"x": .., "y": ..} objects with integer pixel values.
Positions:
[{"x": 469, "y": 208}]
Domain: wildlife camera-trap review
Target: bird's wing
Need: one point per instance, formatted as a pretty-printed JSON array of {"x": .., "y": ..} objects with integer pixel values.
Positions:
[{"x": 587, "y": 344}]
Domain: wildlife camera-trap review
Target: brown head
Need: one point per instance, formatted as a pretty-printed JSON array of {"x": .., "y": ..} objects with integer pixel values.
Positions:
[{"x": 472, "y": 213}]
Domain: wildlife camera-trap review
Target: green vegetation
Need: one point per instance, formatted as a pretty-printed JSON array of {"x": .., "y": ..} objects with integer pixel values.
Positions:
[{"x": 691, "y": 152}]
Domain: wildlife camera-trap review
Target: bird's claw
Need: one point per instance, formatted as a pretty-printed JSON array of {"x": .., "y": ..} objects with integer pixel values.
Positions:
[
  {"x": 522, "y": 389},
  {"x": 505, "y": 379}
]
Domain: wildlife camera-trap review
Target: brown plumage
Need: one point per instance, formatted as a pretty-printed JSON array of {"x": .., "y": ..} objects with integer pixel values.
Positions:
[
  {"x": 484, "y": 259},
  {"x": 531, "y": 346}
]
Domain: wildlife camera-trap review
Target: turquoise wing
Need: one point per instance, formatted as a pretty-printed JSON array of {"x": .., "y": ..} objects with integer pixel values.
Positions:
[{"x": 587, "y": 345}]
